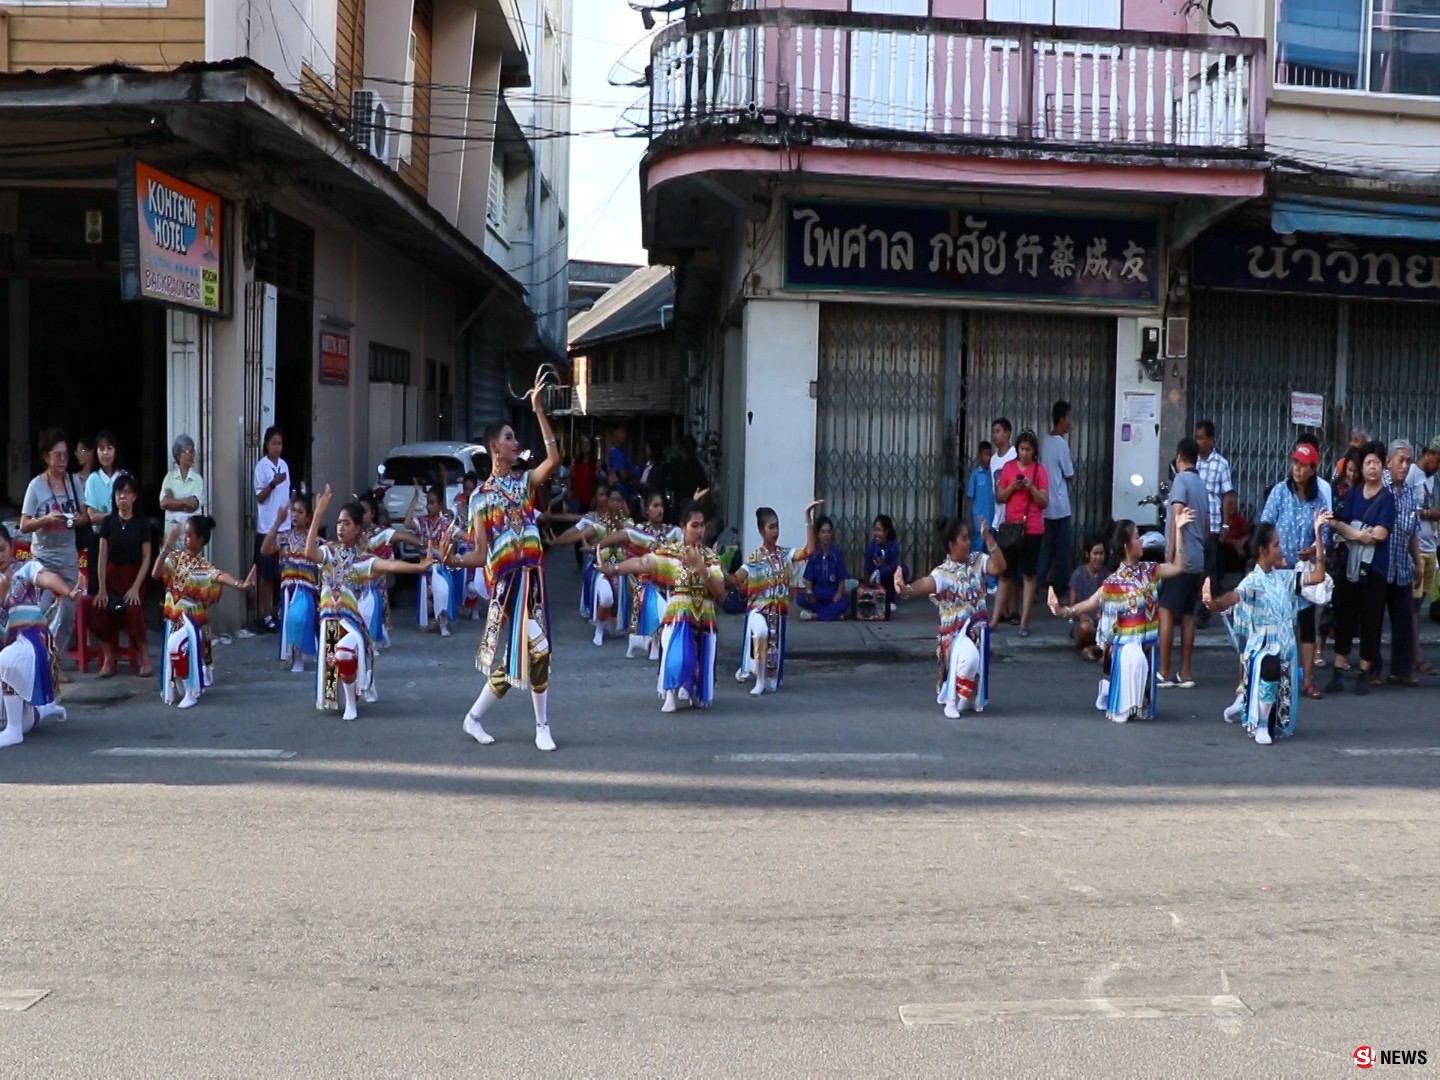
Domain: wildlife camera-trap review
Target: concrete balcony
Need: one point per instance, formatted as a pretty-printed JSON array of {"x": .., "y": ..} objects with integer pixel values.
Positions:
[{"x": 956, "y": 81}]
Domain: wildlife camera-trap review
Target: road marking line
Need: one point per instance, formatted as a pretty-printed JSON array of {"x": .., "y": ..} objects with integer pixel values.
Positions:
[
  {"x": 194, "y": 752},
  {"x": 1392, "y": 751},
  {"x": 1113, "y": 1008},
  {"x": 20, "y": 1000},
  {"x": 823, "y": 759}
]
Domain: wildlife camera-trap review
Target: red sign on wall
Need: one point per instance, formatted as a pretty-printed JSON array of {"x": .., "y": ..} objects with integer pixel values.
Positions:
[{"x": 334, "y": 358}]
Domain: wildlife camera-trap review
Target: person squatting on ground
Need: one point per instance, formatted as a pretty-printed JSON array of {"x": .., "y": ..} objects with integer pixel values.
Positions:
[
  {"x": 957, "y": 589},
  {"x": 27, "y": 685}
]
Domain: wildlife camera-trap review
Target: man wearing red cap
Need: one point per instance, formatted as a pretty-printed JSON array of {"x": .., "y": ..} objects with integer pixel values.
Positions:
[{"x": 1291, "y": 507}]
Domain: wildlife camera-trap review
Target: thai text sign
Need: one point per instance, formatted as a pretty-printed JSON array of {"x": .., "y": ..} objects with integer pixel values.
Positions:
[
  {"x": 170, "y": 240},
  {"x": 957, "y": 251},
  {"x": 334, "y": 358},
  {"x": 1307, "y": 410},
  {"x": 1319, "y": 265}
]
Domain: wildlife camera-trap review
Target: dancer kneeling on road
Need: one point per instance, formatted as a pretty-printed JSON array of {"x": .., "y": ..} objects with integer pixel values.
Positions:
[
  {"x": 346, "y": 670},
  {"x": 505, "y": 539},
  {"x": 690, "y": 572},
  {"x": 26, "y": 677},
  {"x": 192, "y": 586},
  {"x": 766, "y": 578},
  {"x": 957, "y": 588},
  {"x": 1128, "y": 604},
  {"x": 1267, "y": 603}
]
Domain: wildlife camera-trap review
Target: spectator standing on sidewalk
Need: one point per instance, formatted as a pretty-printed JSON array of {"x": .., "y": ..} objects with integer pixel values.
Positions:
[
  {"x": 1054, "y": 568},
  {"x": 183, "y": 490},
  {"x": 1002, "y": 453},
  {"x": 1424, "y": 480},
  {"x": 1404, "y": 563},
  {"x": 52, "y": 508},
  {"x": 272, "y": 498},
  {"x": 1214, "y": 470},
  {"x": 1292, "y": 507},
  {"x": 1180, "y": 595}
]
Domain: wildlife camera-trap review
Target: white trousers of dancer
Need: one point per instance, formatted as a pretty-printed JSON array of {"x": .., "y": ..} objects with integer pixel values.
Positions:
[
  {"x": 604, "y": 597},
  {"x": 439, "y": 582},
  {"x": 964, "y": 664},
  {"x": 757, "y": 637},
  {"x": 1123, "y": 693},
  {"x": 17, "y": 668}
]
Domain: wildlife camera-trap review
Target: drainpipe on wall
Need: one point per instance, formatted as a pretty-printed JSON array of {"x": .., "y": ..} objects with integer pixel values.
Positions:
[{"x": 536, "y": 178}]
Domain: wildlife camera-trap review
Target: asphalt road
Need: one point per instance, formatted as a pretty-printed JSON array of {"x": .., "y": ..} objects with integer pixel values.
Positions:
[{"x": 702, "y": 895}]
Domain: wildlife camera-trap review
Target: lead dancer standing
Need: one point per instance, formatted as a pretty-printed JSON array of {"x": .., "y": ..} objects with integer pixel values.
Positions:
[{"x": 505, "y": 537}]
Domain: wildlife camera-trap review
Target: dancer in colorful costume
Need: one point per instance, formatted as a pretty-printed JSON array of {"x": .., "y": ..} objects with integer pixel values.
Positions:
[
  {"x": 299, "y": 584},
  {"x": 1267, "y": 603},
  {"x": 603, "y": 604},
  {"x": 1129, "y": 622},
  {"x": 346, "y": 671},
  {"x": 766, "y": 579},
  {"x": 440, "y": 592},
  {"x": 957, "y": 588},
  {"x": 691, "y": 573},
  {"x": 505, "y": 540},
  {"x": 192, "y": 587},
  {"x": 27, "y": 682},
  {"x": 646, "y": 601}
]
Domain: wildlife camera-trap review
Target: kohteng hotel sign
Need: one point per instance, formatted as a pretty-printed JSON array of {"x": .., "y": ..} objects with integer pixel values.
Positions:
[{"x": 171, "y": 241}]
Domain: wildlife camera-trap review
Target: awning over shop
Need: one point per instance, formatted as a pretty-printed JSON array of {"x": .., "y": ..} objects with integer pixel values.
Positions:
[{"x": 1355, "y": 217}]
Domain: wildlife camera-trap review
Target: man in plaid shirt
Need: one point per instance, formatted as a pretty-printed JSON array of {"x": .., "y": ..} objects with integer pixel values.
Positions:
[
  {"x": 1214, "y": 470},
  {"x": 1404, "y": 562}
]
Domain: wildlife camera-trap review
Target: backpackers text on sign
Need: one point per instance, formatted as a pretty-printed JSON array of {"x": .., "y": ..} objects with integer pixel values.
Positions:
[{"x": 171, "y": 246}]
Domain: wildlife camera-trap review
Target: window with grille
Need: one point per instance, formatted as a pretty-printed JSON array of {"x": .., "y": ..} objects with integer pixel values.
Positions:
[
  {"x": 495, "y": 208},
  {"x": 389, "y": 365},
  {"x": 1362, "y": 46}
]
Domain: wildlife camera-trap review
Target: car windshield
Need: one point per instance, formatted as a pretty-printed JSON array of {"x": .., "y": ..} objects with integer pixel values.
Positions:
[{"x": 404, "y": 471}]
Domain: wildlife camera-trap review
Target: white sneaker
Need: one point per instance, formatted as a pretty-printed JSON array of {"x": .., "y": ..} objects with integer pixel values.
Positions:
[
  {"x": 951, "y": 712},
  {"x": 298, "y": 667},
  {"x": 1262, "y": 736},
  {"x": 472, "y": 728},
  {"x": 742, "y": 676},
  {"x": 683, "y": 694},
  {"x": 370, "y": 695},
  {"x": 1235, "y": 711},
  {"x": 599, "y": 638},
  {"x": 444, "y": 622},
  {"x": 772, "y": 685},
  {"x": 759, "y": 688},
  {"x": 669, "y": 704},
  {"x": 190, "y": 700},
  {"x": 1120, "y": 718},
  {"x": 543, "y": 740}
]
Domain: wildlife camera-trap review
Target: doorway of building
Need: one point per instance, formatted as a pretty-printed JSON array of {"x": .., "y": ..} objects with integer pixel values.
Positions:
[{"x": 287, "y": 261}]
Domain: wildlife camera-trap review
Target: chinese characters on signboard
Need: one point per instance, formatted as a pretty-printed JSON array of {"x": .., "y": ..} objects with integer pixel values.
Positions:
[
  {"x": 948, "y": 251},
  {"x": 334, "y": 358},
  {"x": 171, "y": 240}
]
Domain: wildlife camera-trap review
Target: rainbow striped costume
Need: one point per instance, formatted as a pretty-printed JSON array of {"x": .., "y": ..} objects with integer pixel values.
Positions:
[
  {"x": 1130, "y": 620},
  {"x": 767, "y": 593},
  {"x": 960, "y": 599},
  {"x": 647, "y": 602},
  {"x": 191, "y": 586},
  {"x": 504, "y": 518},
  {"x": 345, "y": 576},
  {"x": 299, "y": 593},
  {"x": 23, "y": 628},
  {"x": 688, "y": 630}
]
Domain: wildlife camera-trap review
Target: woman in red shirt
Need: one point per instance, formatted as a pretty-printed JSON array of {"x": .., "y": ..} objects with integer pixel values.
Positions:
[{"x": 1025, "y": 491}]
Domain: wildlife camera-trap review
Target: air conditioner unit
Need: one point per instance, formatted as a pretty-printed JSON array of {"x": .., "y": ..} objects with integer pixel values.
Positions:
[
  {"x": 362, "y": 117},
  {"x": 383, "y": 143}
]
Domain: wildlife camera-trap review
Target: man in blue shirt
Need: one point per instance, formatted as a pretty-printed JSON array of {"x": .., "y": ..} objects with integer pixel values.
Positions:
[
  {"x": 980, "y": 494},
  {"x": 617, "y": 461}
]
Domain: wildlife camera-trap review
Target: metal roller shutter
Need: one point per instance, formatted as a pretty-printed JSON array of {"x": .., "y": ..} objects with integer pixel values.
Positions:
[
  {"x": 1017, "y": 365},
  {"x": 880, "y": 421},
  {"x": 1248, "y": 352},
  {"x": 1394, "y": 370}
]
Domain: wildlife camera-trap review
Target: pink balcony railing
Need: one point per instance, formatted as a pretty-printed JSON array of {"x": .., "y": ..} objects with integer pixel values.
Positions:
[{"x": 964, "y": 80}]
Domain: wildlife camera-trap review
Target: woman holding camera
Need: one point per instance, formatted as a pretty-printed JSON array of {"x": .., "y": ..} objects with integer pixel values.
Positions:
[{"x": 53, "y": 507}]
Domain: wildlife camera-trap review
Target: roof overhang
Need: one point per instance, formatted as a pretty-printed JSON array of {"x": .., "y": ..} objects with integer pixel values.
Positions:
[{"x": 233, "y": 125}]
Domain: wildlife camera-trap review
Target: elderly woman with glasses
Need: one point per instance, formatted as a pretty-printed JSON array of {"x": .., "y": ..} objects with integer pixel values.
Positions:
[{"x": 183, "y": 490}]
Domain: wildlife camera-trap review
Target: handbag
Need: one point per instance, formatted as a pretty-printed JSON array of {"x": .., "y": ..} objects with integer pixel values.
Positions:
[
  {"x": 84, "y": 534},
  {"x": 1010, "y": 535}
]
